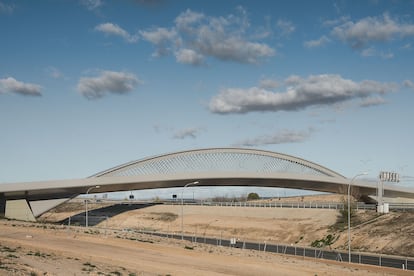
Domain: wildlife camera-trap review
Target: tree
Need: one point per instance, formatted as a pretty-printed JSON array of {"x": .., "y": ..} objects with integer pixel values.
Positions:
[
  {"x": 253, "y": 196},
  {"x": 343, "y": 213}
]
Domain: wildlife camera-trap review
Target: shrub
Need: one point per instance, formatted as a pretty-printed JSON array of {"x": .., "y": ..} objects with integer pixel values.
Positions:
[
  {"x": 253, "y": 196},
  {"x": 327, "y": 241}
]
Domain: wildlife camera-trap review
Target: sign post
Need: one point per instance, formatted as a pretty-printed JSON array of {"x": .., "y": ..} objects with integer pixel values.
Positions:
[{"x": 384, "y": 177}]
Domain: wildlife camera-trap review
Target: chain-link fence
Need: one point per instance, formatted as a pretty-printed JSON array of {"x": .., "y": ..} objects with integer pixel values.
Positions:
[{"x": 404, "y": 263}]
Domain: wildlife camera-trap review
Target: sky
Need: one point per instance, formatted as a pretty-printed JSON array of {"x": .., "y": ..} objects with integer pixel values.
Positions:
[{"x": 90, "y": 84}]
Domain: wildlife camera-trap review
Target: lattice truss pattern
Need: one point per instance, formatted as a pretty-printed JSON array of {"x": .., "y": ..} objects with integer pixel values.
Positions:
[{"x": 219, "y": 161}]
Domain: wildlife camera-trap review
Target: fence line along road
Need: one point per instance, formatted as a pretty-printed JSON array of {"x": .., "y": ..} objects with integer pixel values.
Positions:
[
  {"x": 314, "y": 205},
  {"x": 404, "y": 263}
]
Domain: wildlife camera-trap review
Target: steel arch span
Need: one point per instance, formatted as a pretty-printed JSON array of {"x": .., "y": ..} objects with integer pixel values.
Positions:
[
  {"x": 211, "y": 167},
  {"x": 213, "y": 160}
]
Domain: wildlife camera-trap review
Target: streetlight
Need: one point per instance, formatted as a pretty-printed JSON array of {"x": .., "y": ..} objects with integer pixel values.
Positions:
[
  {"x": 182, "y": 206},
  {"x": 86, "y": 203},
  {"x": 349, "y": 214}
]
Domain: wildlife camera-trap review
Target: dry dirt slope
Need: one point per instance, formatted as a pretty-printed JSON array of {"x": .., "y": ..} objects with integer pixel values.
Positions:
[
  {"x": 392, "y": 233},
  {"x": 35, "y": 249}
]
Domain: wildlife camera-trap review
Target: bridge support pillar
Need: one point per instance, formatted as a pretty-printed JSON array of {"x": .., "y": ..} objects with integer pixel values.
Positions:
[
  {"x": 19, "y": 209},
  {"x": 2, "y": 205}
]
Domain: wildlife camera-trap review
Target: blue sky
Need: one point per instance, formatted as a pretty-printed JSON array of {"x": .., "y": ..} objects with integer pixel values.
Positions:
[{"x": 87, "y": 85}]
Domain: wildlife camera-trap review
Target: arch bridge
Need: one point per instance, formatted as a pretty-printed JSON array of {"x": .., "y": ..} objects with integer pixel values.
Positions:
[{"x": 210, "y": 167}]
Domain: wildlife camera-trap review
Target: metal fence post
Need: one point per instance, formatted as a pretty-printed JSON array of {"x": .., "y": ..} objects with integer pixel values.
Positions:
[
  {"x": 106, "y": 224},
  {"x": 69, "y": 225},
  {"x": 221, "y": 236}
]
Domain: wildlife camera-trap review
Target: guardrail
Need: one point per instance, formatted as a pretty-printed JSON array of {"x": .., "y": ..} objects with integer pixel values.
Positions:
[
  {"x": 274, "y": 204},
  {"x": 310, "y": 205}
]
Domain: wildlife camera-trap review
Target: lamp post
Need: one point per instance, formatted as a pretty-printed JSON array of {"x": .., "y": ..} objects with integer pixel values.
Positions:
[
  {"x": 349, "y": 214},
  {"x": 86, "y": 203},
  {"x": 182, "y": 206}
]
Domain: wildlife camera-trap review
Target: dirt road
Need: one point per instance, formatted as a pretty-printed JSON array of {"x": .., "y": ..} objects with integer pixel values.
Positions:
[{"x": 34, "y": 249}]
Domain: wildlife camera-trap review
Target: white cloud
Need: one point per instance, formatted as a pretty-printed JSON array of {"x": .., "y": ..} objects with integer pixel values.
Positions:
[
  {"x": 372, "y": 101},
  {"x": 372, "y": 29},
  {"x": 159, "y": 36},
  {"x": 54, "y": 72},
  {"x": 91, "y": 4},
  {"x": 285, "y": 27},
  {"x": 107, "y": 82},
  {"x": 281, "y": 137},
  {"x": 372, "y": 52},
  {"x": 268, "y": 84},
  {"x": 334, "y": 22},
  {"x": 5, "y": 8},
  {"x": 369, "y": 52},
  {"x": 299, "y": 94},
  {"x": 113, "y": 29},
  {"x": 386, "y": 55},
  {"x": 12, "y": 85},
  {"x": 409, "y": 84},
  {"x": 187, "y": 133},
  {"x": 196, "y": 36},
  {"x": 323, "y": 40},
  {"x": 232, "y": 48},
  {"x": 186, "y": 19},
  {"x": 188, "y": 56}
]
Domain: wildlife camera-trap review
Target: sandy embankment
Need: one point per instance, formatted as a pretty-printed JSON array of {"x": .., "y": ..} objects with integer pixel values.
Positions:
[{"x": 26, "y": 249}]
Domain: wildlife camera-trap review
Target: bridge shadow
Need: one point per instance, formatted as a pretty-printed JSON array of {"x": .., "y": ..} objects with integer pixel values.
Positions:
[{"x": 99, "y": 215}]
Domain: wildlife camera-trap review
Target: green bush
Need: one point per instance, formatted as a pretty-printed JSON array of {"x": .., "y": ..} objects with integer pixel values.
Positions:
[
  {"x": 327, "y": 241},
  {"x": 253, "y": 196}
]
